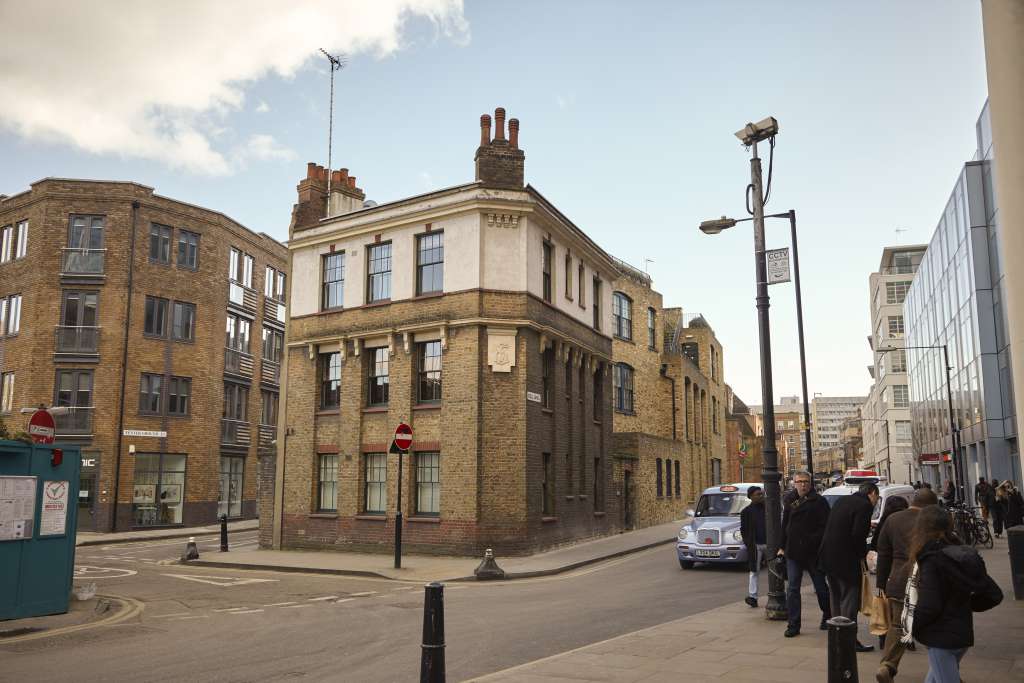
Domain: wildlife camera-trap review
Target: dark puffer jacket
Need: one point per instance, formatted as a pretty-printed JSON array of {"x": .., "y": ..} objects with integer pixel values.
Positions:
[
  {"x": 952, "y": 584},
  {"x": 803, "y": 525}
]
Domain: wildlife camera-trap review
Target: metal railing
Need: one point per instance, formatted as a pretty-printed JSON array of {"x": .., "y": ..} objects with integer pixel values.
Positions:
[
  {"x": 78, "y": 420},
  {"x": 273, "y": 310},
  {"x": 270, "y": 371},
  {"x": 235, "y": 432},
  {"x": 238, "y": 362},
  {"x": 83, "y": 261},
  {"x": 241, "y": 296},
  {"x": 77, "y": 339},
  {"x": 900, "y": 270}
]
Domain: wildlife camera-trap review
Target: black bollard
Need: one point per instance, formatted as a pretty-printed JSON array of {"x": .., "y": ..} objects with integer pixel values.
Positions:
[
  {"x": 432, "y": 661},
  {"x": 1015, "y": 539},
  {"x": 842, "y": 650},
  {"x": 223, "y": 533}
]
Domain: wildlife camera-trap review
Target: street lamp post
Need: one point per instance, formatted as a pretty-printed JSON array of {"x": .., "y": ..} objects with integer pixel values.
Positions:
[
  {"x": 960, "y": 485},
  {"x": 750, "y": 135}
]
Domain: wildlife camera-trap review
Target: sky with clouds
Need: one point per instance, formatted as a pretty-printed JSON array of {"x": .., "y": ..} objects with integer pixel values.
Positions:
[{"x": 627, "y": 116}]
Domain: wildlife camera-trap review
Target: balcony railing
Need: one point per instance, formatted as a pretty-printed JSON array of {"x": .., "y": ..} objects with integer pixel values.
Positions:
[
  {"x": 80, "y": 339},
  {"x": 83, "y": 261},
  {"x": 235, "y": 432},
  {"x": 238, "y": 363},
  {"x": 900, "y": 270},
  {"x": 273, "y": 311},
  {"x": 242, "y": 297},
  {"x": 78, "y": 420},
  {"x": 270, "y": 372},
  {"x": 267, "y": 436}
]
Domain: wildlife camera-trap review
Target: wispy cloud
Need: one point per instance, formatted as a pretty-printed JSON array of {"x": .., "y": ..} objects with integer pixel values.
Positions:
[
  {"x": 262, "y": 107},
  {"x": 103, "y": 77},
  {"x": 565, "y": 100}
]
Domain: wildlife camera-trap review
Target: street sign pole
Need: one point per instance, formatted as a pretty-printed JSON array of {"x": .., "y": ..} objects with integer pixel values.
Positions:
[{"x": 400, "y": 445}]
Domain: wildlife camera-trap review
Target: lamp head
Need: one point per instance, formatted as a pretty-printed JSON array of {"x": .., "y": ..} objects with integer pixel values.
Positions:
[{"x": 717, "y": 225}]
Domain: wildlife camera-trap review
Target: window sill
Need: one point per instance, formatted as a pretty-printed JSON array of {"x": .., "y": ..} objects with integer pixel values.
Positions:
[
  {"x": 628, "y": 340},
  {"x": 598, "y": 513},
  {"x": 425, "y": 520},
  {"x": 370, "y": 517},
  {"x": 329, "y": 411},
  {"x": 427, "y": 406},
  {"x": 547, "y": 411},
  {"x": 374, "y": 304},
  {"x": 548, "y": 520},
  {"x": 570, "y": 498},
  {"x": 597, "y": 422},
  {"x": 428, "y": 295},
  {"x": 332, "y": 310},
  {"x": 625, "y": 412},
  {"x": 323, "y": 515},
  {"x": 582, "y": 497},
  {"x": 376, "y": 409}
]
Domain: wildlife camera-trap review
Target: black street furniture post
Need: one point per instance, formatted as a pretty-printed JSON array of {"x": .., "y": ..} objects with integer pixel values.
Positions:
[
  {"x": 800, "y": 337},
  {"x": 842, "y": 650},
  {"x": 432, "y": 660},
  {"x": 398, "y": 514},
  {"x": 1015, "y": 539},
  {"x": 223, "y": 533}
]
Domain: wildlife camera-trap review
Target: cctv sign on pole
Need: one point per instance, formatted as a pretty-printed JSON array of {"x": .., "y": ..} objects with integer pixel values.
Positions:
[{"x": 778, "y": 265}]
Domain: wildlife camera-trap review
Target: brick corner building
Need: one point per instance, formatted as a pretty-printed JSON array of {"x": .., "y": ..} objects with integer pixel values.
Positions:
[
  {"x": 478, "y": 314},
  {"x": 113, "y": 303}
]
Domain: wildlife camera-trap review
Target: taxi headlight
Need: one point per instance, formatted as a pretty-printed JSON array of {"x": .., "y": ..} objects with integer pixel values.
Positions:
[
  {"x": 685, "y": 533},
  {"x": 737, "y": 536}
]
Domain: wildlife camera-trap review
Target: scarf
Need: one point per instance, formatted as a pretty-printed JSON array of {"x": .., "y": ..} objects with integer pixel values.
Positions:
[{"x": 909, "y": 605}]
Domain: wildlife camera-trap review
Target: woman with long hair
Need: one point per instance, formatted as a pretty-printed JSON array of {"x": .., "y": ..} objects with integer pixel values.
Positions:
[
  {"x": 894, "y": 504},
  {"x": 948, "y": 583},
  {"x": 1001, "y": 501}
]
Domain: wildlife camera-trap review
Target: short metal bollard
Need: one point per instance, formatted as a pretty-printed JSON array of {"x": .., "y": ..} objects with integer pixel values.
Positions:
[
  {"x": 1015, "y": 539},
  {"x": 191, "y": 550},
  {"x": 842, "y": 650},
  {"x": 432, "y": 661},
  {"x": 223, "y": 533}
]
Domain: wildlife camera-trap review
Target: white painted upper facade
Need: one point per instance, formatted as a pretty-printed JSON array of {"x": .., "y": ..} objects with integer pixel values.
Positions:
[{"x": 493, "y": 240}]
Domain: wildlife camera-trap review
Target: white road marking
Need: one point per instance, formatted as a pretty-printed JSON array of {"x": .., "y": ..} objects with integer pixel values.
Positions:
[
  {"x": 230, "y": 609},
  {"x": 407, "y": 588},
  {"x": 363, "y": 594},
  {"x": 168, "y": 616},
  {"x": 222, "y": 581},
  {"x": 326, "y": 597},
  {"x": 297, "y": 606},
  {"x": 203, "y": 616},
  {"x": 89, "y": 572},
  {"x": 338, "y": 602},
  {"x": 248, "y": 611},
  {"x": 281, "y": 604}
]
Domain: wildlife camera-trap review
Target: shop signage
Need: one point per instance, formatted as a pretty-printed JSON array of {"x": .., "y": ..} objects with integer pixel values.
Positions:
[{"x": 143, "y": 432}]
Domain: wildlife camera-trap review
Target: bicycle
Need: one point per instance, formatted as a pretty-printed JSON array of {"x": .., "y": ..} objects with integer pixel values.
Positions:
[{"x": 970, "y": 527}]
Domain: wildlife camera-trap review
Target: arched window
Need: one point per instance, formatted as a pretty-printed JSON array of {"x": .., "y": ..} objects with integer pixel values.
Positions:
[
  {"x": 657, "y": 476},
  {"x": 622, "y": 315},
  {"x": 622, "y": 386}
]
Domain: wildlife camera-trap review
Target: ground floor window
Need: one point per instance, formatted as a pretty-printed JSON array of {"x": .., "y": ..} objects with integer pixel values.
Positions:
[
  {"x": 232, "y": 471},
  {"x": 375, "y": 497},
  {"x": 159, "y": 489},
  {"x": 327, "y": 498},
  {"x": 716, "y": 472},
  {"x": 428, "y": 483}
]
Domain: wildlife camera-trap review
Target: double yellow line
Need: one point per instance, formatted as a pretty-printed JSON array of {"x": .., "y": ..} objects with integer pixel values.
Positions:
[{"x": 130, "y": 609}]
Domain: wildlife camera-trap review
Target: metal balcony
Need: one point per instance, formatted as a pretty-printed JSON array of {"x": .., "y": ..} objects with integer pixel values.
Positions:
[
  {"x": 270, "y": 372},
  {"x": 273, "y": 311},
  {"x": 238, "y": 363},
  {"x": 242, "y": 297},
  {"x": 267, "y": 435},
  {"x": 83, "y": 261},
  {"x": 235, "y": 432},
  {"x": 78, "y": 420},
  {"x": 77, "y": 339}
]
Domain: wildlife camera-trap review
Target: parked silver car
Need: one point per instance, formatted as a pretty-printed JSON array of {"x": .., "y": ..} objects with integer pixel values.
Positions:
[{"x": 713, "y": 535}]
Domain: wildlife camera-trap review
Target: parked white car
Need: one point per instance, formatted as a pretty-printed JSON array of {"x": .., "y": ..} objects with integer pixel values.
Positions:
[{"x": 885, "y": 492}]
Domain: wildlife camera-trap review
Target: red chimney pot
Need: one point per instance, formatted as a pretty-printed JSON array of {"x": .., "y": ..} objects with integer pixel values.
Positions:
[
  {"x": 499, "y": 123},
  {"x": 513, "y": 133}
]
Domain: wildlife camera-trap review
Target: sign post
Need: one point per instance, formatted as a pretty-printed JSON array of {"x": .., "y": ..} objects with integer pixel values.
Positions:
[
  {"x": 41, "y": 427},
  {"x": 400, "y": 445}
]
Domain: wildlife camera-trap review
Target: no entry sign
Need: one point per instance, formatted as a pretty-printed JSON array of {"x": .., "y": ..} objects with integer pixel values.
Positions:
[
  {"x": 41, "y": 427},
  {"x": 403, "y": 436}
]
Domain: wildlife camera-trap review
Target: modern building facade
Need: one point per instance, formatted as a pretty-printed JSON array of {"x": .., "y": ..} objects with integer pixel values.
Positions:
[
  {"x": 114, "y": 303},
  {"x": 886, "y": 411},
  {"x": 481, "y": 316},
  {"x": 827, "y": 416},
  {"x": 956, "y": 304},
  {"x": 669, "y": 440}
]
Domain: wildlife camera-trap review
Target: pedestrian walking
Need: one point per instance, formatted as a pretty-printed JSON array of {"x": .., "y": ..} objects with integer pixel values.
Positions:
[
  {"x": 999, "y": 508},
  {"x": 843, "y": 549},
  {"x": 948, "y": 583},
  {"x": 981, "y": 493},
  {"x": 755, "y": 538},
  {"x": 891, "y": 576},
  {"x": 803, "y": 525},
  {"x": 892, "y": 506},
  {"x": 948, "y": 493},
  {"x": 1014, "y": 505}
]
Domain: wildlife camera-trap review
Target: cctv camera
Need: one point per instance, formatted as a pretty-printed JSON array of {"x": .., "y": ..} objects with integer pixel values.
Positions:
[{"x": 756, "y": 132}]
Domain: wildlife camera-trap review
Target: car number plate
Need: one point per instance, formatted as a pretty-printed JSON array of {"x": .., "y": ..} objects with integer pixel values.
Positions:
[{"x": 708, "y": 553}]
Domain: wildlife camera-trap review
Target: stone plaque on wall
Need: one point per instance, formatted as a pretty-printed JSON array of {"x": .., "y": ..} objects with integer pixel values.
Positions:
[{"x": 501, "y": 349}]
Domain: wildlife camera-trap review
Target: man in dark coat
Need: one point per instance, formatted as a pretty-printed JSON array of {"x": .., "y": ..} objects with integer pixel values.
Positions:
[
  {"x": 803, "y": 525},
  {"x": 843, "y": 549},
  {"x": 752, "y": 528},
  {"x": 891, "y": 573}
]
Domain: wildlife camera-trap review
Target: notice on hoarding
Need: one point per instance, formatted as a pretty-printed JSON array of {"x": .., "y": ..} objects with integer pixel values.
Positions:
[
  {"x": 778, "y": 265},
  {"x": 53, "y": 520},
  {"x": 17, "y": 507}
]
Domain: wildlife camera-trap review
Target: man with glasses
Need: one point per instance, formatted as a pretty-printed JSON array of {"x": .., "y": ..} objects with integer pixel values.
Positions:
[{"x": 803, "y": 525}]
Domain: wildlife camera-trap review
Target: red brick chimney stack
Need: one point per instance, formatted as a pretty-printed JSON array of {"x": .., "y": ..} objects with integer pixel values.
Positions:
[
  {"x": 499, "y": 124},
  {"x": 513, "y": 133},
  {"x": 485, "y": 130},
  {"x": 311, "y": 207}
]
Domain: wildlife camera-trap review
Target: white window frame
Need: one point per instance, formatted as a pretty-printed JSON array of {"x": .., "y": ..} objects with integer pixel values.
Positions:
[{"x": 22, "y": 247}]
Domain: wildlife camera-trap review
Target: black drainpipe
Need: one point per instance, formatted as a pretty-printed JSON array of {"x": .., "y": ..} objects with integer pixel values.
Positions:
[
  {"x": 124, "y": 363},
  {"x": 664, "y": 373}
]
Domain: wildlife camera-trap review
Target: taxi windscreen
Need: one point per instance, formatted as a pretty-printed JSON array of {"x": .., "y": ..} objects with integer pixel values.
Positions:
[{"x": 721, "y": 504}]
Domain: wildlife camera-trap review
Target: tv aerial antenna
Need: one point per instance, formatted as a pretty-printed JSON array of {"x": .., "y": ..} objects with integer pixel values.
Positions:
[
  {"x": 898, "y": 231},
  {"x": 337, "y": 64}
]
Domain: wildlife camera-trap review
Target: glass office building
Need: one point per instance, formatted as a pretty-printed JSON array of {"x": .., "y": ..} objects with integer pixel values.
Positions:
[{"x": 955, "y": 302}]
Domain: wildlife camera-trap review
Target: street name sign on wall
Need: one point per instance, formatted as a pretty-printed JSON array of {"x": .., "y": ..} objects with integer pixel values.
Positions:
[
  {"x": 778, "y": 265},
  {"x": 143, "y": 432}
]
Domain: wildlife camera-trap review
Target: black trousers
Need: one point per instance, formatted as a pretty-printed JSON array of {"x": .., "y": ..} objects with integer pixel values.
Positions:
[{"x": 844, "y": 597}]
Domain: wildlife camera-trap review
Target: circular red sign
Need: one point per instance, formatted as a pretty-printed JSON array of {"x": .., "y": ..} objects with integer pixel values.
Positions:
[
  {"x": 403, "y": 436},
  {"x": 41, "y": 427}
]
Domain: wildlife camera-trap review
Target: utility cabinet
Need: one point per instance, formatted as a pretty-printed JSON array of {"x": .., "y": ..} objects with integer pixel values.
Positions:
[{"x": 38, "y": 521}]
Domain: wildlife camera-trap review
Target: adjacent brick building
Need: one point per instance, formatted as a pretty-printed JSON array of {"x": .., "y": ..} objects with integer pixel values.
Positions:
[
  {"x": 114, "y": 303},
  {"x": 479, "y": 315},
  {"x": 742, "y": 441},
  {"x": 668, "y": 403}
]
